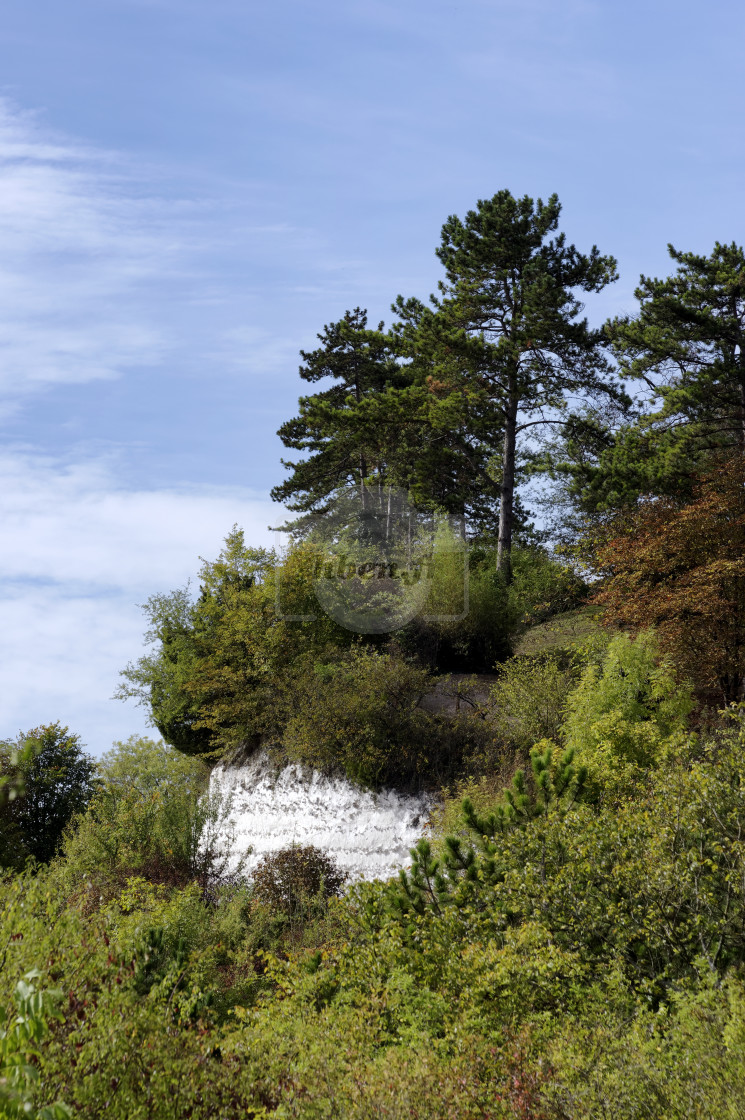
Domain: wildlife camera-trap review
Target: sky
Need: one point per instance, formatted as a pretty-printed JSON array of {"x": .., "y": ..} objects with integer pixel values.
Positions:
[{"x": 191, "y": 189}]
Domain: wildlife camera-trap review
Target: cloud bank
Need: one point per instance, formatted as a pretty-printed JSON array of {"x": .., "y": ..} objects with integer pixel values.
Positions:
[
  {"x": 100, "y": 274},
  {"x": 77, "y": 554}
]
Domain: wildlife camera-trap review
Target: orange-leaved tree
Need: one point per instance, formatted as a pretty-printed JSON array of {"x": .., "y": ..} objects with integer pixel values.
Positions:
[{"x": 681, "y": 570}]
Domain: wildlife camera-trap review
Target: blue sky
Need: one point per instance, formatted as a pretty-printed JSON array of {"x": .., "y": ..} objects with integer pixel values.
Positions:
[{"x": 190, "y": 190}]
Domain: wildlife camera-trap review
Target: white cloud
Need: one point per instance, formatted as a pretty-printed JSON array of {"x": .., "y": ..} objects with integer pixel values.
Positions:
[
  {"x": 77, "y": 554},
  {"x": 81, "y": 248},
  {"x": 102, "y": 271},
  {"x": 61, "y": 658},
  {"x": 107, "y": 266}
]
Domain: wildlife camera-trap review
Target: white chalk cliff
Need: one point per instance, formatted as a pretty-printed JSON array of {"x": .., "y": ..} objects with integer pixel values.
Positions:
[{"x": 368, "y": 834}]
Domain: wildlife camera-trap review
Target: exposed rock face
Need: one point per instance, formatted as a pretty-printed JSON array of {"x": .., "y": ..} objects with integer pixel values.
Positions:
[{"x": 368, "y": 834}]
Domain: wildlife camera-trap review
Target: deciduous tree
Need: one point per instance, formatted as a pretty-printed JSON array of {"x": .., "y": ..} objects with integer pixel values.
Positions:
[
  {"x": 681, "y": 570},
  {"x": 56, "y": 780}
]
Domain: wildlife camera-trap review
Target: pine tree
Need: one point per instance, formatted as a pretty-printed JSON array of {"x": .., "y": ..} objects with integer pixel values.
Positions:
[
  {"x": 686, "y": 348},
  {"x": 468, "y": 870},
  {"x": 507, "y": 348},
  {"x": 343, "y": 445},
  {"x": 375, "y": 427},
  {"x": 687, "y": 344}
]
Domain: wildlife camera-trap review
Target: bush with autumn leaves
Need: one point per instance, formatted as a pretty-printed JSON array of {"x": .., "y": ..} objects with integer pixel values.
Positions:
[{"x": 679, "y": 568}]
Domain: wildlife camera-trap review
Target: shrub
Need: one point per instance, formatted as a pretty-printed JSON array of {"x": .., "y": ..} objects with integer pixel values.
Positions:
[
  {"x": 624, "y": 708},
  {"x": 22, "y": 1030},
  {"x": 296, "y": 879},
  {"x": 211, "y": 678},
  {"x": 542, "y": 586},
  {"x": 529, "y": 699},
  {"x": 361, "y": 714},
  {"x": 685, "y": 1060},
  {"x": 563, "y": 959},
  {"x": 53, "y": 780},
  {"x": 154, "y": 817},
  {"x": 496, "y": 614}
]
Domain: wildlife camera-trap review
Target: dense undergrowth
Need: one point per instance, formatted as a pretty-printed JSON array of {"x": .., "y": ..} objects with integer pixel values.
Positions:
[
  {"x": 569, "y": 946},
  {"x": 229, "y": 670}
]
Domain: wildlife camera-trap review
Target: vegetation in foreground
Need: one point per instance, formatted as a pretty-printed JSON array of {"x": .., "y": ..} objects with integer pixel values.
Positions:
[{"x": 571, "y": 947}]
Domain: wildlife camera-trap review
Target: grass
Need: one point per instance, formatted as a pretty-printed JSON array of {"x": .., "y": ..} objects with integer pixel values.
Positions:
[{"x": 563, "y": 631}]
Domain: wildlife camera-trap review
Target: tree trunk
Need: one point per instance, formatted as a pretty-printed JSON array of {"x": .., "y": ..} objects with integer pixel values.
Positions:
[
  {"x": 739, "y": 359},
  {"x": 363, "y": 461},
  {"x": 507, "y": 498},
  {"x": 363, "y": 476}
]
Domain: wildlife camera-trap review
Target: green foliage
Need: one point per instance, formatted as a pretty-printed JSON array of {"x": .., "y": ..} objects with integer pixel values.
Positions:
[
  {"x": 207, "y": 651},
  {"x": 687, "y": 340},
  {"x": 334, "y": 426},
  {"x": 563, "y": 633},
  {"x": 500, "y": 351},
  {"x": 557, "y": 958},
  {"x": 645, "y": 890},
  {"x": 219, "y": 659},
  {"x": 543, "y": 585},
  {"x": 506, "y": 347},
  {"x": 625, "y": 708},
  {"x": 685, "y": 344},
  {"x": 468, "y": 871},
  {"x": 12, "y": 783},
  {"x": 683, "y": 1060},
  {"x": 361, "y": 714},
  {"x": 153, "y": 817},
  {"x": 569, "y": 946},
  {"x": 230, "y": 669},
  {"x": 529, "y": 698},
  {"x": 146, "y": 767},
  {"x": 22, "y": 1031},
  {"x": 496, "y": 613},
  {"x": 485, "y": 618},
  {"x": 376, "y": 426},
  {"x": 49, "y": 779}
]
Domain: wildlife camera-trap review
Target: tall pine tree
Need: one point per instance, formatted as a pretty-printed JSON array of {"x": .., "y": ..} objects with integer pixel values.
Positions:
[
  {"x": 508, "y": 350},
  {"x": 688, "y": 346},
  {"x": 375, "y": 426}
]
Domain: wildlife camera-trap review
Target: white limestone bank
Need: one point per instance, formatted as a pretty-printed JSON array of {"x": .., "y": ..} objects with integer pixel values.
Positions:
[{"x": 368, "y": 834}]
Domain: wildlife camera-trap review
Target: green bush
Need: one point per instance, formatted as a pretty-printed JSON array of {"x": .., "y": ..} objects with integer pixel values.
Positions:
[
  {"x": 626, "y": 707},
  {"x": 52, "y": 779},
  {"x": 297, "y": 881},
  {"x": 496, "y": 614},
  {"x": 23, "y": 1028},
  {"x": 360, "y": 714},
  {"x": 564, "y": 959},
  {"x": 218, "y": 659},
  {"x": 529, "y": 699},
  {"x": 683, "y": 1060},
  {"x": 153, "y": 817}
]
